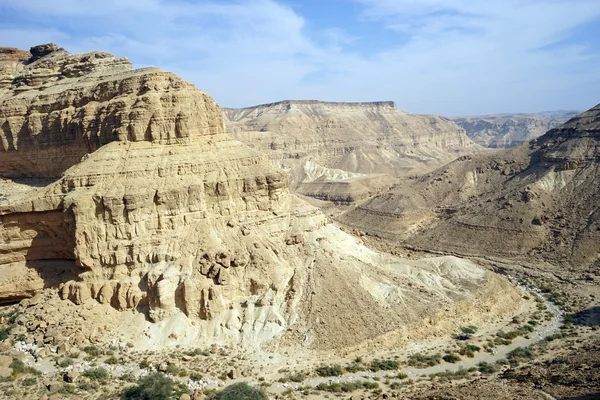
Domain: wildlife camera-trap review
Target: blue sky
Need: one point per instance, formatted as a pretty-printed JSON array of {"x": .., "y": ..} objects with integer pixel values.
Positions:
[{"x": 448, "y": 57}]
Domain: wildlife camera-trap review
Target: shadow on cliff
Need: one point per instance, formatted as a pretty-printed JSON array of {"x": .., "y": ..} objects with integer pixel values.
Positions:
[
  {"x": 593, "y": 396},
  {"x": 51, "y": 250},
  {"x": 587, "y": 317}
]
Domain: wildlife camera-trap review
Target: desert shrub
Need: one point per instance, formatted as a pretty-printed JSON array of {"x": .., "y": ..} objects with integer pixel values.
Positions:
[
  {"x": 508, "y": 335},
  {"x": 18, "y": 367},
  {"x": 67, "y": 389},
  {"x": 88, "y": 386},
  {"x": 29, "y": 381},
  {"x": 96, "y": 373},
  {"x": 487, "y": 368},
  {"x": 383, "y": 365},
  {"x": 345, "y": 387},
  {"x": 92, "y": 351},
  {"x": 450, "y": 375},
  {"x": 401, "y": 375},
  {"x": 451, "y": 358},
  {"x": 469, "y": 350},
  {"x": 354, "y": 367},
  {"x": 172, "y": 369},
  {"x": 554, "y": 336},
  {"x": 112, "y": 360},
  {"x": 329, "y": 370},
  {"x": 195, "y": 376},
  {"x": 422, "y": 360},
  {"x": 527, "y": 328},
  {"x": 469, "y": 330},
  {"x": 297, "y": 377},
  {"x": 155, "y": 386},
  {"x": 520, "y": 353},
  {"x": 501, "y": 342},
  {"x": 65, "y": 362},
  {"x": 144, "y": 364},
  {"x": 4, "y": 333},
  {"x": 240, "y": 391}
]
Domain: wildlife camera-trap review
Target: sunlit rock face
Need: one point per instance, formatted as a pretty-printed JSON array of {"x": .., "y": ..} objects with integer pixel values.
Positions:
[{"x": 121, "y": 192}]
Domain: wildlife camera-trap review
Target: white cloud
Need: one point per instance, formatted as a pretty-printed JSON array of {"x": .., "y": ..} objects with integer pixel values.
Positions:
[{"x": 455, "y": 56}]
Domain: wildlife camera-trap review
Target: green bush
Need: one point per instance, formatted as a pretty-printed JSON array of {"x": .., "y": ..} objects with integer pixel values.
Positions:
[
  {"x": 196, "y": 376},
  {"x": 88, "y": 386},
  {"x": 469, "y": 350},
  {"x": 451, "y": 358},
  {"x": 112, "y": 360},
  {"x": 354, "y": 367},
  {"x": 297, "y": 377},
  {"x": 468, "y": 330},
  {"x": 487, "y": 368},
  {"x": 329, "y": 370},
  {"x": 240, "y": 391},
  {"x": 555, "y": 336},
  {"x": 451, "y": 375},
  {"x": 383, "y": 365},
  {"x": 29, "y": 381},
  {"x": 155, "y": 386},
  {"x": 92, "y": 351},
  {"x": 172, "y": 369},
  {"x": 422, "y": 361},
  {"x": 4, "y": 333},
  {"x": 20, "y": 368},
  {"x": 96, "y": 373},
  {"x": 65, "y": 362},
  {"x": 346, "y": 387},
  {"x": 520, "y": 353}
]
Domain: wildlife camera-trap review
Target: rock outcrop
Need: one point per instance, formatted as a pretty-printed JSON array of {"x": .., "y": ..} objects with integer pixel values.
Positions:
[
  {"x": 509, "y": 130},
  {"x": 122, "y": 192},
  {"x": 372, "y": 142},
  {"x": 537, "y": 201}
]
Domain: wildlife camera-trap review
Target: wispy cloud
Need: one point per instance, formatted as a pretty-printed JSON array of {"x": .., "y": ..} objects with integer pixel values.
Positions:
[{"x": 440, "y": 56}]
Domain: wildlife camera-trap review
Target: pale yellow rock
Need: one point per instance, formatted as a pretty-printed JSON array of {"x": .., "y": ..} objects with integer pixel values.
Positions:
[
  {"x": 148, "y": 209},
  {"x": 346, "y": 152}
]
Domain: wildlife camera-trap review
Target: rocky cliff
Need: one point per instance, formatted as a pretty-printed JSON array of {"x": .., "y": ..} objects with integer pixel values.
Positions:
[
  {"x": 375, "y": 140},
  {"x": 536, "y": 201},
  {"x": 509, "y": 130},
  {"x": 122, "y": 195}
]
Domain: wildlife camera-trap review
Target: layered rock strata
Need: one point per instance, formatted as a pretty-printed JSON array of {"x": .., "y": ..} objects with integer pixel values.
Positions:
[
  {"x": 509, "y": 130},
  {"x": 375, "y": 140},
  {"x": 539, "y": 200},
  {"x": 122, "y": 192}
]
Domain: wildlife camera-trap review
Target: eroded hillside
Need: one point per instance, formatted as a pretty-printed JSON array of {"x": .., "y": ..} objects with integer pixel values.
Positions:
[
  {"x": 509, "y": 130},
  {"x": 124, "y": 196},
  {"x": 536, "y": 201},
  {"x": 358, "y": 148}
]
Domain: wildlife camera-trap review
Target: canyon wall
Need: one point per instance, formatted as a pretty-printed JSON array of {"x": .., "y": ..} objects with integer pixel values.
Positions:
[{"x": 122, "y": 194}]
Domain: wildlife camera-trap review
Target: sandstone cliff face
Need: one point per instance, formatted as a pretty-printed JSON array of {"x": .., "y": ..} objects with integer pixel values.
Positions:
[
  {"x": 509, "y": 130},
  {"x": 372, "y": 139},
  {"x": 121, "y": 191},
  {"x": 539, "y": 200},
  {"x": 62, "y": 107}
]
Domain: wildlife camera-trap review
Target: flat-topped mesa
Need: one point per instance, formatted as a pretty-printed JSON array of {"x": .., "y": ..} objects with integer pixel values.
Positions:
[
  {"x": 366, "y": 138},
  {"x": 60, "y": 107},
  {"x": 291, "y": 103}
]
